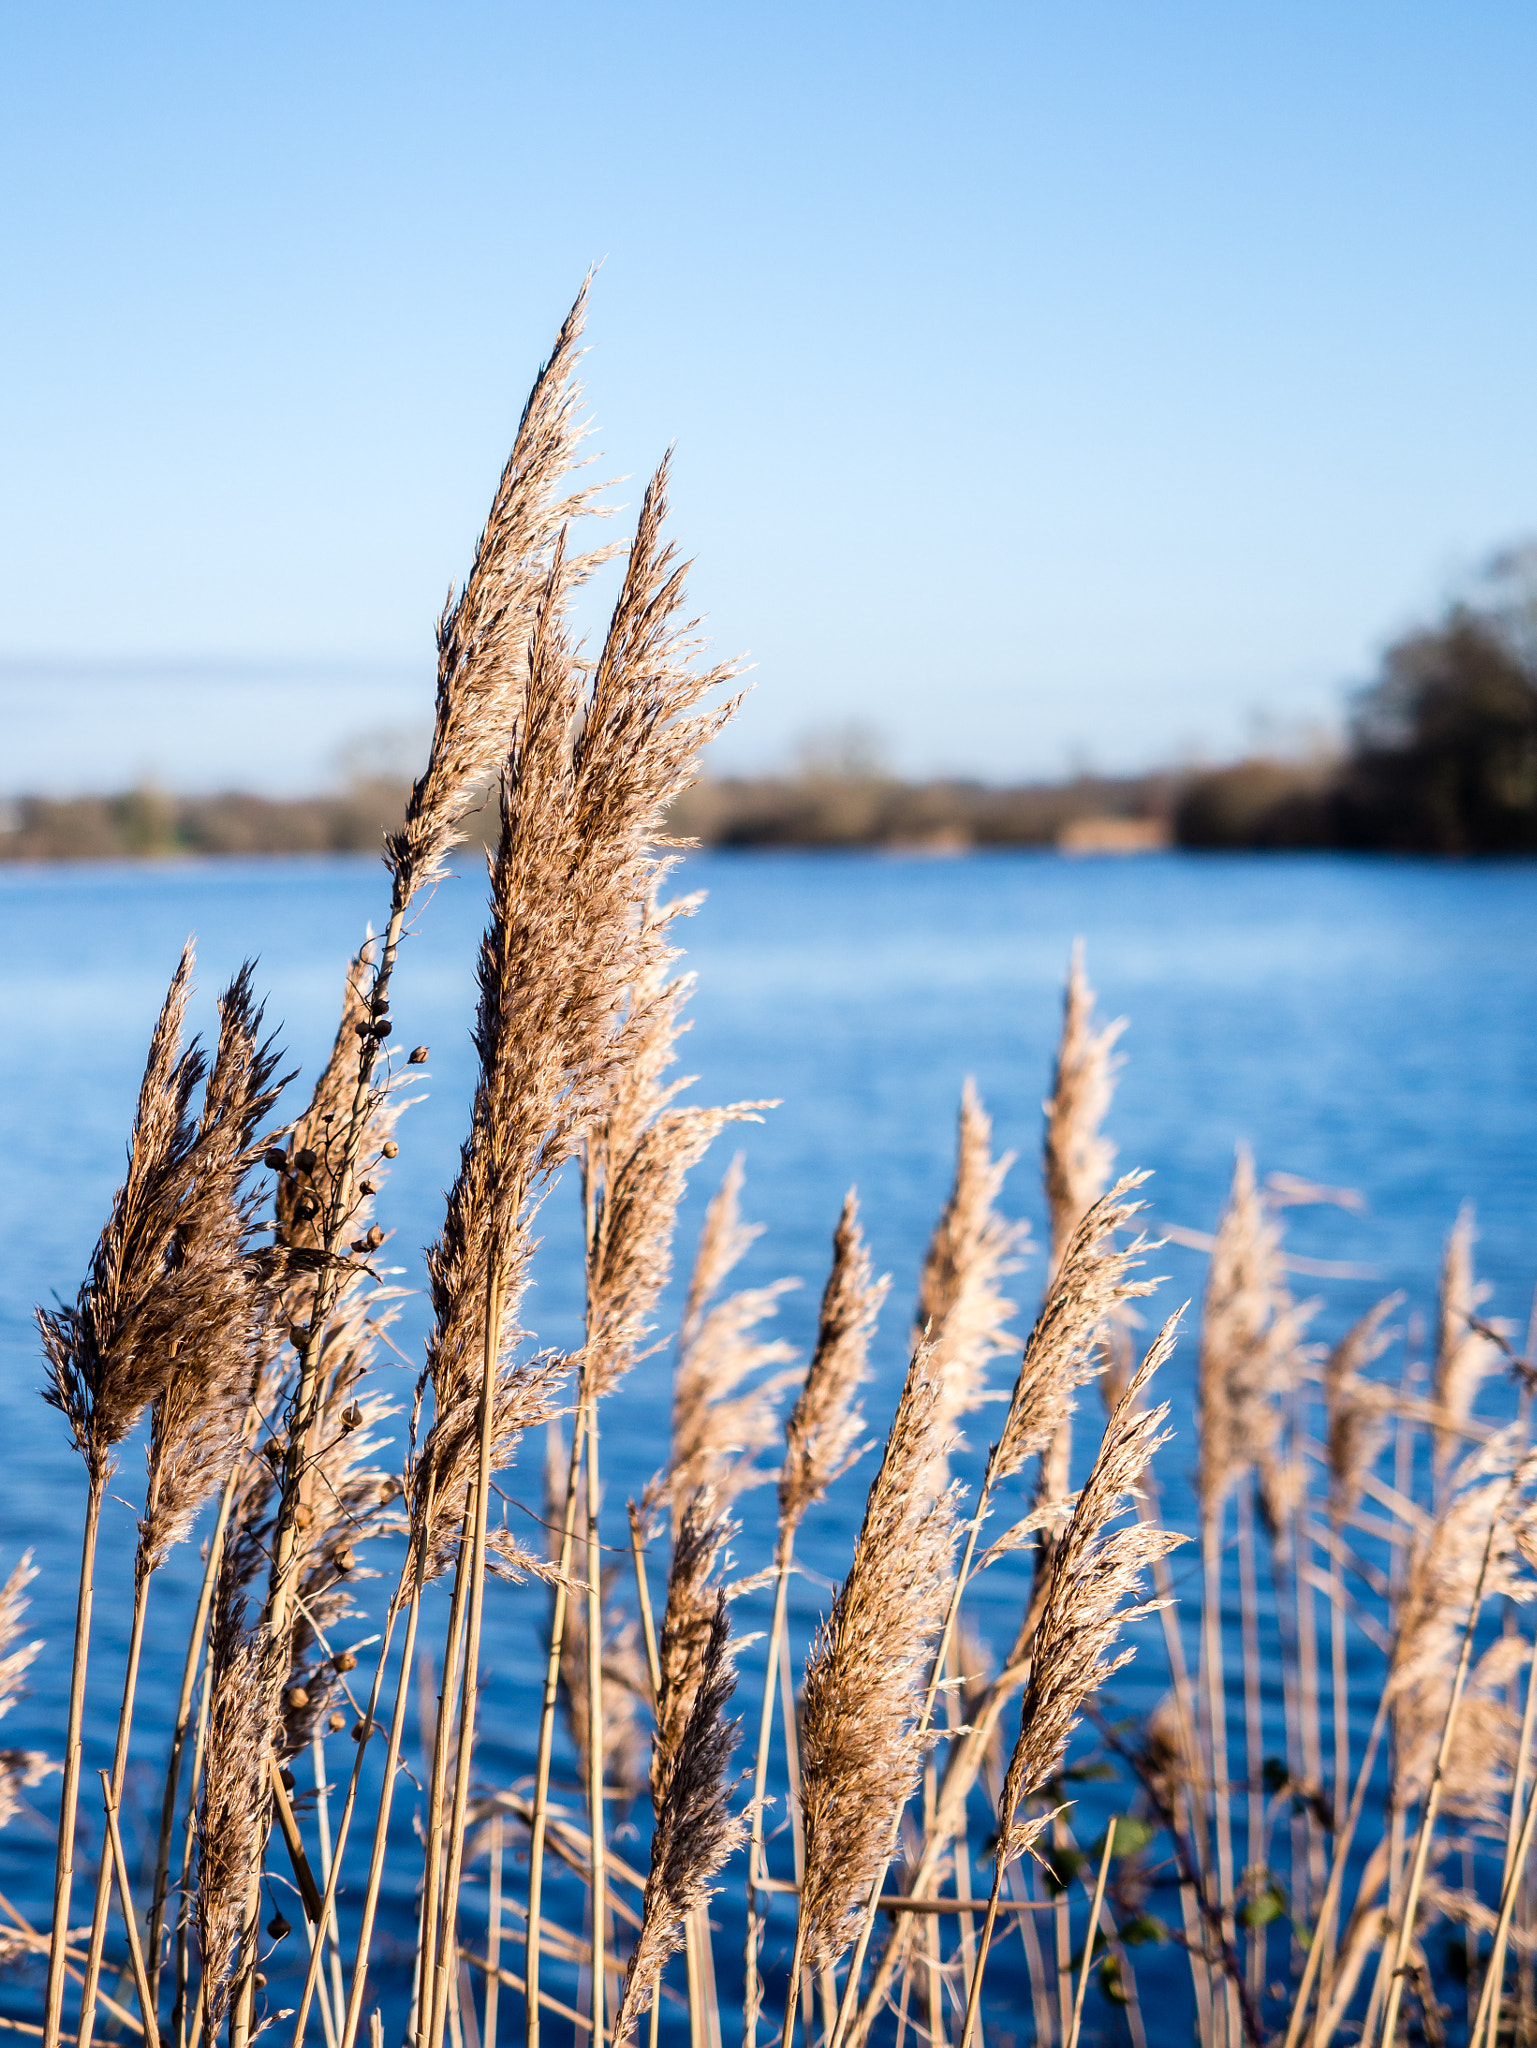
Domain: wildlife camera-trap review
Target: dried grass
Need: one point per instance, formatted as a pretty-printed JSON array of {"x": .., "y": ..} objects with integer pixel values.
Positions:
[
  {"x": 725, "y": 1400},
  {"x": 185, "y": 1314},
  {"x": 963, "y": 1314},
  {"x": 695, "y": 1831},
  {"x": 20, "y": 1769},
  {"x": 1095, "y": 1571},
  {"x": 865, "y": 1676},
  {"x": 1465, "y": 1357},
  {"x": 1078, "y": 1157},
  {"x": 233, "y": 1815},
  {"x": 824, "y": 1428}
]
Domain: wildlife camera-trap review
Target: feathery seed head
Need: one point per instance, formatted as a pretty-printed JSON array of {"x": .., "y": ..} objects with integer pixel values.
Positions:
[
  {"x": 722, "y": 1412},
  {"x": 695, "y": 1830},
  {"x": 20, "y": 1769},
  {"x": 963, "y": 1313},
  {"x": 1094, "y": 1571},
  {"x": 232, "y": 1816},
  {"x": 1358, "y": 1409},
  {"x": 1250, "y": 1349},
  {"x": 862, "y": 1744},
  {"x": 106, "y": 1354},
  {"x": 1090, "y": 1282},
  {"x": 1077, "y": 1156},
  {"x": 824, "y": 1427},
  {"x": 1465, "y": 1357},
  {"x": 484, "y": 633}
]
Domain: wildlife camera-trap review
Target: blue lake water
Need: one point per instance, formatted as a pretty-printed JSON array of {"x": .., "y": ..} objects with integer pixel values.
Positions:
[{"x": 1357, "y": 1022}]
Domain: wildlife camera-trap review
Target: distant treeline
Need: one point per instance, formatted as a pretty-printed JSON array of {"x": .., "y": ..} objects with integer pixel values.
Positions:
[
  {"x": 1442, "y": 747},
  {"x": 804, "y": 810},
  {"x": 1441, "y": 758},
  {"x": 148, "y": 824}
]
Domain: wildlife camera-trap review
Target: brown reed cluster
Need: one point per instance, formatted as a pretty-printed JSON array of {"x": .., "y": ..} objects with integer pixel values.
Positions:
[{"x": 340, "y": 1844}]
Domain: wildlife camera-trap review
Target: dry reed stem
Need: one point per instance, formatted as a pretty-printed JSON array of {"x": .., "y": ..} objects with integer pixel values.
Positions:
[
  {"x": 591, "y": 772},
  {"x": 563, "y": 946},
  {"x": 623, "y": 1757},
  {"x": 1518, "y": 1836},
  {"x": 1089, "y": 1934},
  {"x": 1471, "y": 1554},
  {"x": 130, "y": 1918},
  {"x": 116, "y": 1348},
  {"x": 486, "y": 645},
  {"x": 635, "y": 1165}
]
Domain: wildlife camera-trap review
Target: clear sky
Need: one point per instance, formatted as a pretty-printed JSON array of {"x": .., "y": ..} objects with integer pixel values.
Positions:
[{"x": 1050, "y": 384}]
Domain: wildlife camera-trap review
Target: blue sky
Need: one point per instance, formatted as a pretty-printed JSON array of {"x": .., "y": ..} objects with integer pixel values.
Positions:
[{"x": 1049, "y": 385}]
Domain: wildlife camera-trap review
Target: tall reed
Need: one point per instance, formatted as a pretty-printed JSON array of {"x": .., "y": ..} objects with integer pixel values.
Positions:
[{"x": 1385, "y": 1532}]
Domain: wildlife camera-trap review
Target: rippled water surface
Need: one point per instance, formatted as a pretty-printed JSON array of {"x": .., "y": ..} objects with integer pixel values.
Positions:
[{"x": 1360, "y": 1023}]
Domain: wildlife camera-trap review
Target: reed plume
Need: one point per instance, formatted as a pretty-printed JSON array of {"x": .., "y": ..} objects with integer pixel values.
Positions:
[
  {"x": 308, "y": 1190},
  {"x": 591, "y": 771},
  {"x": 1357, "y": 1409},
  {"x": 639, "y": 1156},
  {"x": 1090, "y": 1283},
  {"x": 1077, "y": 1158},
  {"x": 695, "y": 1831},
  {"x": 232, "y": 1817},
  {"x": 1095, "y": 1570},
  {"x": 822, "y": 1439},
  {"x": 485, "y": 632},
  {"x": 1242, "y": 1352},
  {"x": 824, "y": 1428},
  {"x": 1076, "y": 1163},
  {"x": 687, "y": 1622},
  {"x": 723, "y": 1413},
  {"x": 1444, "y": 1573},
  {"x": 20, "y": 1769},
  {"x": 963, "y": 1314},
  {"x": 582, "y": 801},
  {"x": 865, "y": 1676},
  {"x": 223, "y": 1286},
  {"x": 223, "y": 1298},
  {"x": 1464, "y": 1355},
  {"x": 110, "y": 1354}
]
